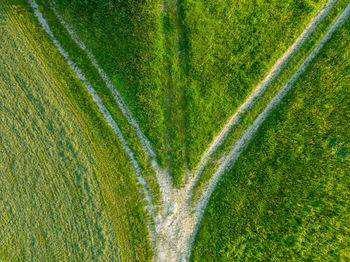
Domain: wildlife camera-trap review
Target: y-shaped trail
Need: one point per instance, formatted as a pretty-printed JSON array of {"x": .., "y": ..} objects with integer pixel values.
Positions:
[
  {"x": 261, "y": 88},
  {"x": 244, "y": 140},
  {"x": 98, "y": 101},
  {"x": 177, "y": 226}
]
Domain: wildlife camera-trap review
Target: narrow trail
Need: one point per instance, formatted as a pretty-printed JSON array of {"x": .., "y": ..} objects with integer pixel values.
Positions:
[
  {"x": 98, "y": 101},
  {"x": 261, "y": 88},
  {"x": 245, "y": 139}
]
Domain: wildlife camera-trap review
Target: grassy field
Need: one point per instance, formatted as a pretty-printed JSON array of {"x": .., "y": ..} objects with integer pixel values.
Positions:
[
  {"x": 67, "y": 189},
  {"x": 287, "y": 196},
  {"x": 184, "y": 70}
]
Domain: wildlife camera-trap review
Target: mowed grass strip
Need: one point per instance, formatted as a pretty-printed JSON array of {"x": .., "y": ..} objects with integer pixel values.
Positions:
[
  {"x": 67, "y": 189},
  {"x": 175, "y": 107},
  {"x": 250, "y": 115},
  {"x": 287, "y": 196}
]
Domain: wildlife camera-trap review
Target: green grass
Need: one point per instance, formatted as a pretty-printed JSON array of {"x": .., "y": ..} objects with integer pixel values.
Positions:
[
  {"x": 248, "y": 117},
  {"x": 67, "y": 189},
  {"x": 183, "y": 72},
  {"x": 287, "y": 196},
  {"x": 231, "y": 46},
  {"x": 146, "y": 73}
]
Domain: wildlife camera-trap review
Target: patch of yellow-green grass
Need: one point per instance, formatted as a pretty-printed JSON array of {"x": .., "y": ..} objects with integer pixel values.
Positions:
[{"x": 67, "y": 190}]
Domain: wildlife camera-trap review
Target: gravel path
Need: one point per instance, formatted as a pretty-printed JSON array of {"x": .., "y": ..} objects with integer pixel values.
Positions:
[{"x": 117, "y": 97}]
